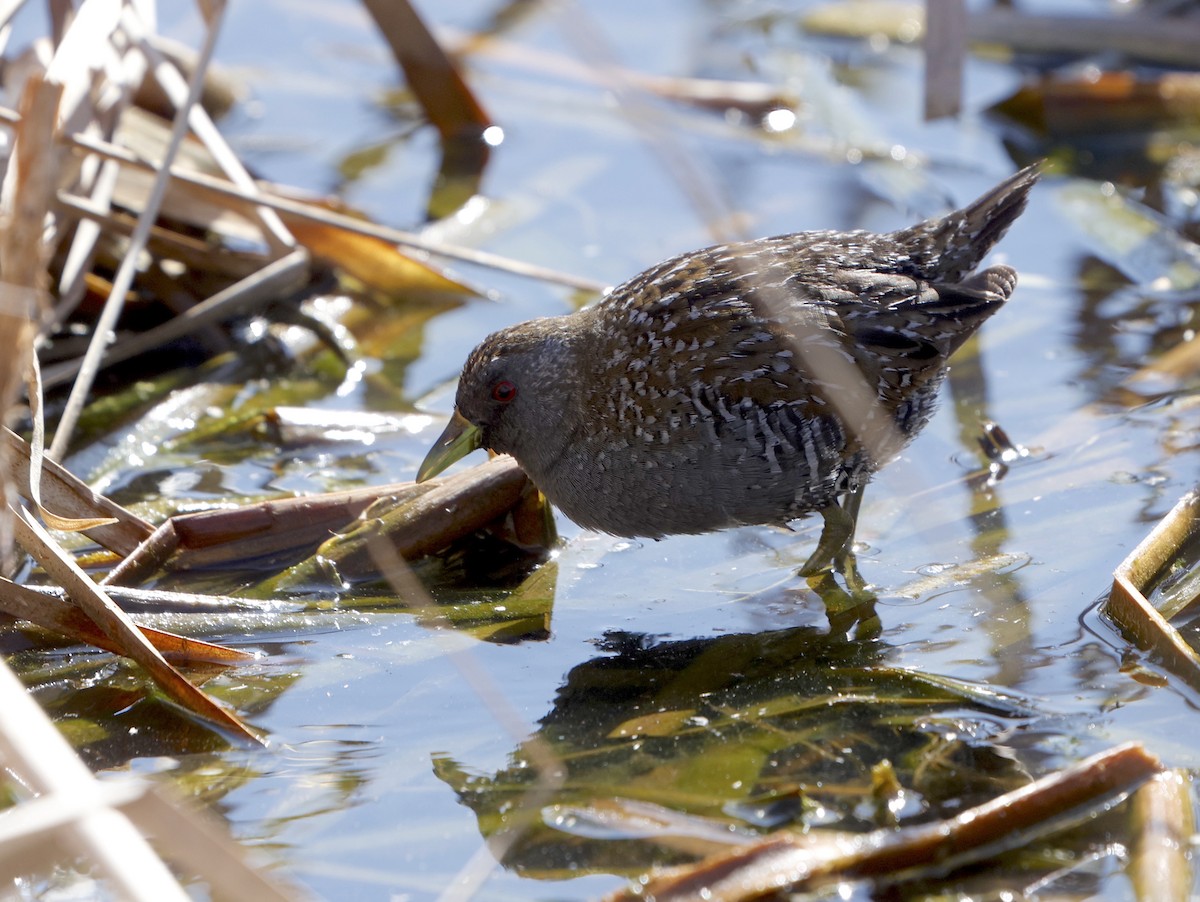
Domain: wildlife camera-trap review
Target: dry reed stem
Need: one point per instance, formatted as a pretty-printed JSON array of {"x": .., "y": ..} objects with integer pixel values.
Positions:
[
  {"x": 68, "y": 620},
  {"x": 29, "y": 744},
  {"x": 186, "y": 96},
  {"x": 87, "y": 48},
  {"x": 1169, "y": 41},
  {"x": 755, "y": 98},
  {"x": 215, "y": 537},
  {"x": 1166, "y": 40},
  {"x": 945, "y": 49},
  {"x": 786, "y": 862},
  {"x": 1163, "y": 825},
  {"x": 311, "y": 213},
  {"x": 29, "y": 187},
  {"x": 431, "y": 74},
  {"x": 107, "y": 321}
]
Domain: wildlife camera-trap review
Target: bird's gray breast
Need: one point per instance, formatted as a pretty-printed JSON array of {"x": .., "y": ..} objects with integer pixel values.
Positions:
[{"x": 699, "y": 462}]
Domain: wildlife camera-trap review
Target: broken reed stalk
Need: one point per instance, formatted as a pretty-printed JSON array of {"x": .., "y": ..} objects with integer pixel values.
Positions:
[
  {"x": 428, "y": 518},
  {"x": 790, "y": 863},
  {"x": 70, "y": 496},
  {"x": 228, "y": 537},
  {"x": 1127, "y": 605},
  {"x": 116, "y": 624},
  {"x": 431, "y": 74}
]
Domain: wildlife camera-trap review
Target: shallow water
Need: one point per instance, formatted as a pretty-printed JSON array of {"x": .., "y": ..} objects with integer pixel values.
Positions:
[{"x": 394, "y": 739}]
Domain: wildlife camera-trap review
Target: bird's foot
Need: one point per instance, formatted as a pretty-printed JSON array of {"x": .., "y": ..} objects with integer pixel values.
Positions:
[
  {"x": 857, "y": 590},
  {"x": 851, "y": 611},
  {"x": 847, "y": 564},
  {"x": 850, "y": 608},
  {"x": 835, "y": 550}
]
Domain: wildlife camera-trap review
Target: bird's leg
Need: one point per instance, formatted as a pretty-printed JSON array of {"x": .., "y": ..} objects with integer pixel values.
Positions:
[
  {"x": 835, "y": 548},
  {"x": 845, "y": 561},
  {"x": 836, "y": 534},
  {"x": 851, "y": 610},
  {"x": 838, "y": 528}
]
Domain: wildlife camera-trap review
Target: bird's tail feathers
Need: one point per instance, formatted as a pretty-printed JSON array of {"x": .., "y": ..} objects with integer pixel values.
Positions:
[{"x": 950, "y": 248}]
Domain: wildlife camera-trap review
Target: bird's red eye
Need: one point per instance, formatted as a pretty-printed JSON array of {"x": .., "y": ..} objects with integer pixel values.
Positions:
[{"x": 504, "y": 391}]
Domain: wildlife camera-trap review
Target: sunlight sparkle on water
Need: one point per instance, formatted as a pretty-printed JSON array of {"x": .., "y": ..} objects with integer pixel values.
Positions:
[{"x": 779, "y": 120}]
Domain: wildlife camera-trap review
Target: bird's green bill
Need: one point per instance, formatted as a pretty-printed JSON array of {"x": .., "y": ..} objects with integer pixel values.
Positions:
[{"x": 459, "y": 439}]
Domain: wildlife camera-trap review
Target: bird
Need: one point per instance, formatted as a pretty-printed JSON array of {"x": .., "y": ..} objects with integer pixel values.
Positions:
[{"x": 753, "y": 382}]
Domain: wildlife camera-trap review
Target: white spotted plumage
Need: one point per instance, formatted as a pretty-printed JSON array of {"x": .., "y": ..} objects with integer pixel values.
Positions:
[{"x": 688, "y": 399}]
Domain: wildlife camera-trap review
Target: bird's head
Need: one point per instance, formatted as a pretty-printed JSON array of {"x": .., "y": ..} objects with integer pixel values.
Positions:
[{"x": 512, "y": 395}]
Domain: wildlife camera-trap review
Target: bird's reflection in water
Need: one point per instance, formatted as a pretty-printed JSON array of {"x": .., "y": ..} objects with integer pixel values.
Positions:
[{"x": 655, "y": 752}]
